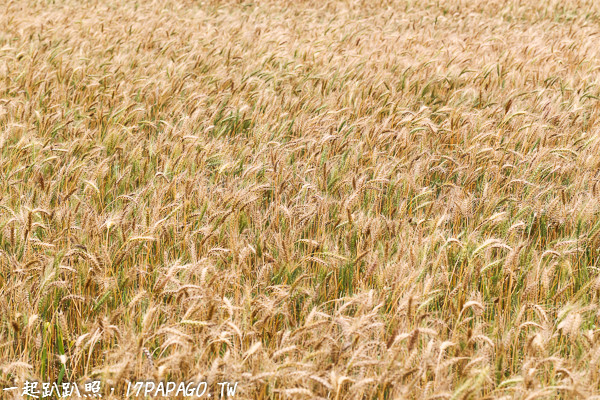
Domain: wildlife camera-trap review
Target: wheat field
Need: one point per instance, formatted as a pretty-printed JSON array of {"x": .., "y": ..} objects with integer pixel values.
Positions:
[{"x": 315, "y": 199}]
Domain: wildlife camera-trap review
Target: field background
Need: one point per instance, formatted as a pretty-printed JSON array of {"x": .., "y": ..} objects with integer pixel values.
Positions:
[{"x": 336, "y": 199}]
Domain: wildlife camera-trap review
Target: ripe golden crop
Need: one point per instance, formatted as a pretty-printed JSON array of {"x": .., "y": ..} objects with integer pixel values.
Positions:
[{"x": 315, "y": 199}]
